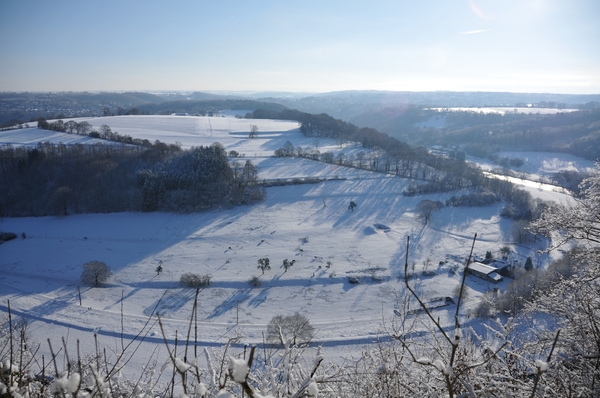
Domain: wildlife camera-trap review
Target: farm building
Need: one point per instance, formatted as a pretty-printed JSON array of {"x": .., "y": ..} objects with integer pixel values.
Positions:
[{"x": 485, "y": 271}]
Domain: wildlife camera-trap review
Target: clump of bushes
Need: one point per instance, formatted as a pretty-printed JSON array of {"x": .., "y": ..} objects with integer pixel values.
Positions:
[
  {"x": 194, "y": 280},
  {"x": 255, "y": 281},
  {"x": 294, "y": 181},
  {"x": 483, "y": 198},
  {"x": 456, "y": 292},
  {"x": 6, "y": 236},
  {"x": 287, "y": 264}
]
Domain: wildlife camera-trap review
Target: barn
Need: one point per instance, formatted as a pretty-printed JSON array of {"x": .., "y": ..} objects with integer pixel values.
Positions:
[{"x": 484, "y": 271}]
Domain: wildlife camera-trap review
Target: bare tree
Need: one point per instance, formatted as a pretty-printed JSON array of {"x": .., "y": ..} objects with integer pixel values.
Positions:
[
  {"x": 288, "y": 148},
  {"x": 352, "y": 205},
  {"x": 59, "y": 201},
  {"x": 519, "y": 231},
  {"x": 71, "y": 126},
  {"x": 289, "y": 330},
  {"x": 264, "y": 264},
  {"x": 95, "y": 273},
  {"x": 105, "y": 131},
  {"x": 83, "y": 128},
  {"x": 360, "y": 157},
  {"x": 287, "y": 264},
  {"x": 425, "y": 209},
  {"x": 253, "y": 131}
]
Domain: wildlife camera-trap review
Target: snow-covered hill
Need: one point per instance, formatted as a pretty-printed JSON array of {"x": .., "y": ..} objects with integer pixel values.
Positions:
[{"x": 309, "y": 223}]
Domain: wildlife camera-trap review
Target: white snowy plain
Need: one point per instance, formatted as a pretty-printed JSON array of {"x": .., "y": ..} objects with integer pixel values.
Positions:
[{"x": 40, "y": 274}]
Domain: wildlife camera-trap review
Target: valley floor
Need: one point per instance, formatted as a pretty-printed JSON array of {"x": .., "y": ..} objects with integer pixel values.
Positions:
[{"x": 307, "y": 223}]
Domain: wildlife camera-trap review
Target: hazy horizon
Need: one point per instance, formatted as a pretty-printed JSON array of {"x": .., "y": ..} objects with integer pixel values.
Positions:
[{"x": 527, "y": 46}]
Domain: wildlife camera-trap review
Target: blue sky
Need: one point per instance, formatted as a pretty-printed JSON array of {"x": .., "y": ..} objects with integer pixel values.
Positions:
[{"x": 312, "y": 46}]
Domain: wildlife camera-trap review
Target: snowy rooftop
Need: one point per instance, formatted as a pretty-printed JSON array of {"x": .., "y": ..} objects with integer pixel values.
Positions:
[
  {"x": 482, "y": 268},
  {"x": 495, "y": 276}
]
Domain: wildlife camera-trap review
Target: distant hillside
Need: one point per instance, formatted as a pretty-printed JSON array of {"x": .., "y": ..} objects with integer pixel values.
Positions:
[
  {"x": 118, "y": 99},
  {"x": 348, "y": 105},
  {"x": 577, "y": 133},
  {"x": 16, "y": 108},
  {"x": 190, "y": 106},
  {"x": 480, "y": 134},
  {"x": 418, "y": 125},
  {"x": 23, "y": 107},
  {"x": 197, "y": 96}
]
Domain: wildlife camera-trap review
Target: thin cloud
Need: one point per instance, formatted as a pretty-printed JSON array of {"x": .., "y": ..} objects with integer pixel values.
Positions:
[
  {"x": 472, "y": 32},
  {"x": 479, "y": 12}
]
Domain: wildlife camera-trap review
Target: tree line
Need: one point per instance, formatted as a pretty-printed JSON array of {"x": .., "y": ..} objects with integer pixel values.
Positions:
[
  {"x": 577, "y": 133},
  {"x": 484, "y": 134},
  {"x": 429, "y": 173},
  {"x": 104, "y": 132},
  {"x": 56, "y": 179},
  {"x": 204, "y": 106},
  {"x": 198, "y": 178}
]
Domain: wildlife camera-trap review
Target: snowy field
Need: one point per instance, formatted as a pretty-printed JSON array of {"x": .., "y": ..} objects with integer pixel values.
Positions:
[
  {"x": 190, "y": 131},
  {"x": 40, "y": 274},
  {"x": 32, "y": 135},
  {"x": 307, "y": 223}
]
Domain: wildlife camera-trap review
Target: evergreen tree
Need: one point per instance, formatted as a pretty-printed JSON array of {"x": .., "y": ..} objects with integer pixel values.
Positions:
[{"x": 528, "y": 264}]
